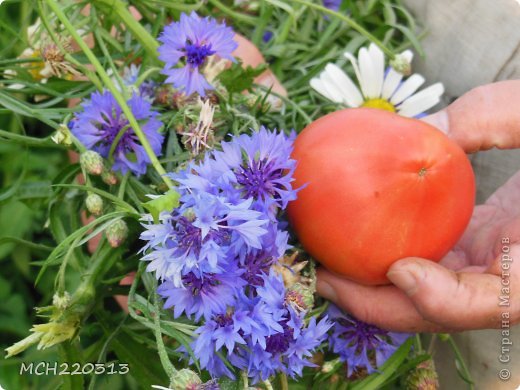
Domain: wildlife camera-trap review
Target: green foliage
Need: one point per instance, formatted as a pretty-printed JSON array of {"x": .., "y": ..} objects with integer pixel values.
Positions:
[
  {"x": 237, "y": 79},
  {"x": 165, "y": 202}
]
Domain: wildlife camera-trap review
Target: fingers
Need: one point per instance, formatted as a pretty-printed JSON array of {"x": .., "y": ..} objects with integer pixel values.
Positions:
[
  {"x": 464, "y": 300},
  {"x": 484, "y": 118},
  {"x": 425, "y": 297},
  {"x": 251, "y": 56},
  {"x": 384, "y": 306}
]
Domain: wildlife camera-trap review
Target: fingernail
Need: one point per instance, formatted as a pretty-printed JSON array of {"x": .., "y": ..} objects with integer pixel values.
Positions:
[
  {"x": 325, "y": 290},
  {"x": 404, "y": 279}
]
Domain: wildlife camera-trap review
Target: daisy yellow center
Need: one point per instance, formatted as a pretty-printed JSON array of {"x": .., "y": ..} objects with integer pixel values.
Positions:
[{"x": 380, "y": 104}]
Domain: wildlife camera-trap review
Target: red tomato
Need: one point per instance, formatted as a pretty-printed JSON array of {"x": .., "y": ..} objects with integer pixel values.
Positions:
[{"x": 380, "y": 187}]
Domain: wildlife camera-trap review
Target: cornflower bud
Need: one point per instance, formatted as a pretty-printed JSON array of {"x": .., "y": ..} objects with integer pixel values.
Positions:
[
  {"x": 94, "y": 204},
  {"x": 108, "y": 177},
  {"x": 117, "y": 233},
  {"x": 92, "y": 162},
  {"x": 423, "y": 377}
]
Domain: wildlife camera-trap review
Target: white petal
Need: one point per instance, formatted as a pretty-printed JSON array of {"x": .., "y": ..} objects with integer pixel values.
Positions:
[
  {"x": 422, "y": 101},
  {"x": 354, "y": 63},
  {"x": 349, "y": 91},
  {"x": 330, "y": 93},
  {"x": 392, "y": 81},
  {"x": 378, "y": 62},
  {"x": 407, "y": 88},
  {"x": 369, "y": 78},
  {"x": 332, "y": 86}
]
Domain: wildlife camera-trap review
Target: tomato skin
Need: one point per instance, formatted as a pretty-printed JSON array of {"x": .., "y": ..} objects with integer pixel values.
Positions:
[{"x": 379, "y": 188}]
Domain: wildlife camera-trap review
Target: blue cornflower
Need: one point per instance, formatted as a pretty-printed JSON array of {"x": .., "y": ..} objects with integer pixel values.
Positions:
[
  {"x": 101, "y": 121},
  {"x": 262, "y": 167},
  {"x": 332, "y": 4},
  {"x": 262, "y": 335},
  {"x": 202, "y": 295},
  {"x": 361, "y": 345},
  {"x": 130, "y": 76},
  {"x": 201, "y": 235},
  {"x": 193, "y": 39},
  {"x": 267, "y": 36}
]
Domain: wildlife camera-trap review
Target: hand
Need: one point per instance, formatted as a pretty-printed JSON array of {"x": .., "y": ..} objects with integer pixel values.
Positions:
[{"x": 463, "y": 291}]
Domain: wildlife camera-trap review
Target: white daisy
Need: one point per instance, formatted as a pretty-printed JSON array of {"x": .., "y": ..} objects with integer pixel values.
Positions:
[{"x": 377, "y": 88}]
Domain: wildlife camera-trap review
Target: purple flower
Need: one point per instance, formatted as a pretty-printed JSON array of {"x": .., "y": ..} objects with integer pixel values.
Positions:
[
  {"x": 190, "y": 42},
  {"x": 355, "y": 341},
  {"x": 99, "y": 125},
  {"x": 262, "y": 167},
  {"x": 267, "y": 36},
  {"x": 200, "y": 236},
  {"x": 332, "y": 4},
  {"x": 202, "y": 295},
  {"x": 262, "y": 335},
  {"x": 130, "y": 76}
]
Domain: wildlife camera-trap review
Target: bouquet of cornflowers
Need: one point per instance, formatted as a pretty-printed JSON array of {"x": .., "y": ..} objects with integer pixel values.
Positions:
[{"x": 171, "y": 195}]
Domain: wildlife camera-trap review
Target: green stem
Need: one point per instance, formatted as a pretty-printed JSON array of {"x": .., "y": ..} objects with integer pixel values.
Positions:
[
  {"x": 283, "y": 382},
  {"x": 460, "y": 359},
  {"x": 46, "y": 142},
  {"x": 122, "y": 186},
  {"x": 432, "y": 344},
  {"x": 146, "y": 74},
  {"x": 107, "y": 55},
  {"x": 110, "y": 85},
  {"x": 116, "y": 140},
  {"x": 235, "y": 15},
  {"x": 418, "y": 343},
  {"x": 245, "y": 380},
  {"x": 356, "y": 26},
  {"x": 145, "y": 39},
  {"x": 163, "y": 355}
]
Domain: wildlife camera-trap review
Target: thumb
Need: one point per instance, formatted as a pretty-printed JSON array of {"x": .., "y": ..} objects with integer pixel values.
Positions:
[
  {"x": 453, "y": 300},
  {"x": 483, "y": 118}
]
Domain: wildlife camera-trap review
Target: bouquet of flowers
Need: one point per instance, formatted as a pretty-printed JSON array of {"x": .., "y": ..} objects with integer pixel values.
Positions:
[{"x": 152, "y": 141}]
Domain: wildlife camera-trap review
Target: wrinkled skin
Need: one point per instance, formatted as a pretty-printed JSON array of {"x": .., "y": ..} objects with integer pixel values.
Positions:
[{"x": 462, "y": 292}]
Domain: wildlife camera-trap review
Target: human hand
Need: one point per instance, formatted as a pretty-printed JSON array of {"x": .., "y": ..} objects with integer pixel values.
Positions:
[{"x": 463, "y": 291}]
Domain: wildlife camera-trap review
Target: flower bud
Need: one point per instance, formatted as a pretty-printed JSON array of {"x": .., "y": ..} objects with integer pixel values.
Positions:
[
  {"x": 184, "y": 379},
  {"x": 330, "y": 366},
  {"x": 402, "y": 63},
  {"x": 116, "y": 233},
  {"x": 92, "y": 162},
  {"x": 423, "y": 377},
  {"x": 94, "y": 204},
  {"x": 61, "y": 302},
  {"x": 304, "y": 294},
  {"x": 62, "y": 135},
  {"x": 108, "y": 177}
]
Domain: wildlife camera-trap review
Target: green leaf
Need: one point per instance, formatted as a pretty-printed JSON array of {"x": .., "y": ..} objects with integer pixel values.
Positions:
[
  {"x": 237, "y": 78},
  {"x": 70, "y": 352},
  {"x": 378, "y": 379},
  {"x": 409, "y": 34},
  {"x": 64, "y": 245},
  {"x": 165, "y": 202},
  {"x": 137, "y": 355},
  {"x": 15, "y": 221}
]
